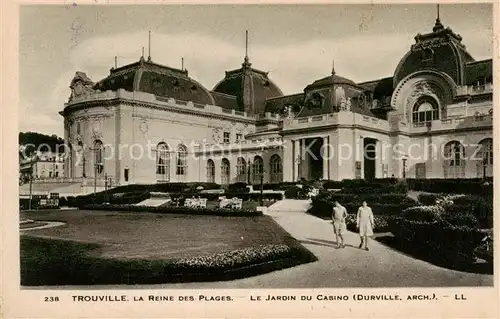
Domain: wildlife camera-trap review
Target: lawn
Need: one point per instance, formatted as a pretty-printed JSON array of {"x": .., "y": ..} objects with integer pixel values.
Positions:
[
  {"x": 159, "y": 236},
  {"x": 144, "y": 244}
]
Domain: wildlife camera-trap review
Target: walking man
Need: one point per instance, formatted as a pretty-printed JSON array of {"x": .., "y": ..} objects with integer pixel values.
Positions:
[
  {"x": 339, "y": 226},
  {"x": 365, "y": 224}
]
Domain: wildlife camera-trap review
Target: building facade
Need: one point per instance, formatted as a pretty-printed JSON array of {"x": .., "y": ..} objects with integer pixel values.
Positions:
[
  {"x": 149, "y": 123},
  {"x": 42, "y": 166}
]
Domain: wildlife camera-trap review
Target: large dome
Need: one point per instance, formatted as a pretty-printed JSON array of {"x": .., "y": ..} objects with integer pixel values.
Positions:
[
  {"x": 441, "y": 50},
  {"x": 251, "y": 88},
  {"x": 146, "y": 76}
]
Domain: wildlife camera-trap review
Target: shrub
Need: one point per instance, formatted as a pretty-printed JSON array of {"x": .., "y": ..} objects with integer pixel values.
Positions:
[
  {"x": 323, "y": 208},
  {"x": 295, "y": 192},
  {"x": 447, "y": 243},
  {"x": 475, "y": 186},
  {"x": 173, "y": 210},
  {"x": 382, "y": 223},
  {"x": 427, "y": 198},
  {"x": 423, "y": 213},
  {"x": 237, "y": 188}
]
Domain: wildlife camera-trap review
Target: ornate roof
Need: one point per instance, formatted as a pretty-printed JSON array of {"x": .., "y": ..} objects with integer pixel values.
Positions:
[
  {"x": 277, "y": 105},
  {"x": 251, "y": 87},
  {"x": 440, "y": 50},
  {"x": 479, "y": 71},
  {"x": 381, "y": 89},
  {"x": 146, "y": 76}
]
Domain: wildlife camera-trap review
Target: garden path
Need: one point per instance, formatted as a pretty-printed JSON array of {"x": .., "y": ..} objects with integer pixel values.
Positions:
[{"x": 341, "y": 268}]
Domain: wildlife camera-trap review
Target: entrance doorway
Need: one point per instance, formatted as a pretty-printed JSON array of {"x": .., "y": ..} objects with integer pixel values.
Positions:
[
  {"x": 369, "y": 156},
  {"x": 313, "y": 158}
]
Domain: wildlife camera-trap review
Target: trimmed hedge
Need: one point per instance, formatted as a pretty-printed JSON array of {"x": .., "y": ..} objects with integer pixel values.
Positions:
[
  {"x": 173, "y": 210},
  {"x": 448, "y": 244},
  {"x": 244, "y": 196},
  {"x": 137, "y": 197},
  {"x": 481, "y": 208},
  {"x": 474, "y": 186},
  {"x": 321, "y": 208},
  {"x": 383, "y": 223},
  {"x": 396, "y": 198},
  {"x": 295, "y": 192}
]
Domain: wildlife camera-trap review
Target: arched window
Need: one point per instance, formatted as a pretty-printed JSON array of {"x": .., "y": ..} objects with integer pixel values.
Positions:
[
  {"x": 485, "y": 158},
  {"x": 425, "y": 110},
  {"x": 181, "y": 168},
  {"x": 276, "y": 167},
  {"x": 210, "y": 171},
  {"x": 99, "y": 157},
  {"x": 225, "y": 171},
  {"x": 258, "y": 169},
  {"x": 162, "y": 162},
  {"x": 241, "y": 170},
  {"x": 454, "y": 160}
]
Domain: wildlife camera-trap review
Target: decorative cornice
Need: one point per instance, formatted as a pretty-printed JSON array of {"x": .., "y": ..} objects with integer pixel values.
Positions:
[{"x": 117, "y": 101}]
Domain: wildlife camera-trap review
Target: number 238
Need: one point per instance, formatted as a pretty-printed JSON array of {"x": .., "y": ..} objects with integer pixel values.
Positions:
[{"x": 51, "y": 299}]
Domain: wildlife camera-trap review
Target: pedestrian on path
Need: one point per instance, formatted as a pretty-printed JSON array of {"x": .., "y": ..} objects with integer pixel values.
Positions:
[
  {"x": 365, "y": 224},
  {"x": 339, "y": 226}
]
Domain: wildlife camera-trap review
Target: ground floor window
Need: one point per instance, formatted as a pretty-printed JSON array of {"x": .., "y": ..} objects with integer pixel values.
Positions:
[
  {"x": 454, "y": 160},
  {"x": 257, "y": 170},
  {"x": 225, "y": 171},
  {"x": 276, "y": 167},
  {"x": 210, "y": 171},
  {"x": 241, "y": 170}
]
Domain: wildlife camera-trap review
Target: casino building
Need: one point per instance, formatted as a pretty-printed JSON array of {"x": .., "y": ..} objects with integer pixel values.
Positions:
[{"x": 149, "y": 123}]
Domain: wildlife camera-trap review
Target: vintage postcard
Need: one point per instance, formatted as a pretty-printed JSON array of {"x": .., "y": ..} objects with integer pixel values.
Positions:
[{"x": 248, "y": 159}]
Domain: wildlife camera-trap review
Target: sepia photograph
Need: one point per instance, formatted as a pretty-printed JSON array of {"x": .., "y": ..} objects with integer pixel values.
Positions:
[{"x": 255, "y": 146}]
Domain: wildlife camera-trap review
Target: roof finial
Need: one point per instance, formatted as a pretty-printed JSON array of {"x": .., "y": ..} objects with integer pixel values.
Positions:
[
  {"x": 149, "y": 47},
  {"x": 116, "y": 61},
  {"x": 333, "y": 67},
  {"x": 142, "y": 52},
  {"x": 182, "y": 63},
  {"x": 246, "y": 62},
  {"x": 438, "y": 26}
]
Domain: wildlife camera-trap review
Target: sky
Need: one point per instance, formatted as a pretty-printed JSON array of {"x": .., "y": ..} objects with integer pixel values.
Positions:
[{"x": 296, "y": 44}]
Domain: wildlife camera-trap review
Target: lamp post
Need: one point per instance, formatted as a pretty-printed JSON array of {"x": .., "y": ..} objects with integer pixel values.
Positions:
[
  {"x": 31, "y": 184},
  {"x": 248, "y": 172},
  {"x": 262, "y": 187},
  {"x": 404, "y": 167},
  {"x": 485, "y": 163}
]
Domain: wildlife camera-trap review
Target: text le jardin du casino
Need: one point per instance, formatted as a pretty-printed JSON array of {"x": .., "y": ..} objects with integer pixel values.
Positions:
[{"x": 258, "y": 298}]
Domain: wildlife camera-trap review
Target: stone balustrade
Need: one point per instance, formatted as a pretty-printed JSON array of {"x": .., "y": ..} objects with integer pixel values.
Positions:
[{"x": 168, "y": 101}]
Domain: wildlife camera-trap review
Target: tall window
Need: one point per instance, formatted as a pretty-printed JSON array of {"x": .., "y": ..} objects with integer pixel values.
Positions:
[
  {"x": 239, "y": 137},
  {"x": 276, "y": 167},
  {"x": 454, "y": 160},
  {"x": 99, "y": 160},
  {"x": 241, "y": 170},
  {"x": 181, "y": 168},
  {"x": 225, "y": 172},
  {"x": 485, "y": 156},
  {"x": 210, "y": 171},
  {"x": 425, "y": 110},
  {"x": 258, "y": 169},
  {"x": 227, "y": 137},
  {"x": 162, "y": 162}
]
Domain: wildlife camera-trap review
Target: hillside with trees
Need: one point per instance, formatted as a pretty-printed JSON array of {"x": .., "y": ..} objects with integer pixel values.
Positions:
[{"x": 32, "y": 141}]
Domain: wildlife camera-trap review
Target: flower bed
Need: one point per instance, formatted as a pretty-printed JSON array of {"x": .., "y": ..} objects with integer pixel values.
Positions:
[
  {"x": 173, "y": 210},
  {"x": 70, "y": 263}
]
